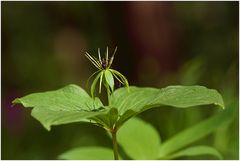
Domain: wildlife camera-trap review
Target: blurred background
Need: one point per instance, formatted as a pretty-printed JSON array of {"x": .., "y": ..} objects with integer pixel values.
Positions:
[{"x": 159, "y": 44}]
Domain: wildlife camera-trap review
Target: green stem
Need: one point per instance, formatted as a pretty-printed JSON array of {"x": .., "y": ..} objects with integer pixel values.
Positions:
[
  {"x": 114, "y": 142},
  {"x": 114, "y": 130},
  {"x": 108, "y": 94}
]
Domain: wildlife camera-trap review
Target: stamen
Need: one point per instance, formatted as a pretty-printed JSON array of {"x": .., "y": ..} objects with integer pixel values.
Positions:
[
  {"x": 107, "y": 56},
  {"x": 111, "y": 60},
  {"x": 99, "y": 56}
]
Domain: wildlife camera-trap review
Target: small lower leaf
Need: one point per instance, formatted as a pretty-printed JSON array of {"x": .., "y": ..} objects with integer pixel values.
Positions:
[
  {"x": 139, "y": 139},
  {"x": 88, "y": 153},
  {"x": 196, "y": 150}
]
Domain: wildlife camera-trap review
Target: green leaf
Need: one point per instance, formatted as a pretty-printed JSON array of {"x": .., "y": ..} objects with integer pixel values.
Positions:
[
  {"x": 62, "y": 106},
  {"x": 194, "y": 133},
  {"x": 88, "y": 153},
  {"x": 196, "y": 150},
  {"x": 139, "y": 139},
  {"x": 109, "y": 79},
  {"x": 113, "y": 116},
  {"x": 141, "y": 99}
]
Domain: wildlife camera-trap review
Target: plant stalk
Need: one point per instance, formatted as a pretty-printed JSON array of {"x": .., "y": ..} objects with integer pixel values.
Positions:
[
  {"x": 114, "y": 142},
  {"x": 108, "y": 94},
  {"x": 114, "y": 130}
]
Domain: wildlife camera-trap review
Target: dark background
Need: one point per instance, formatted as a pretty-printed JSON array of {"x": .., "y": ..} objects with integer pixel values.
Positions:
[{"x": 159, "y": 44}]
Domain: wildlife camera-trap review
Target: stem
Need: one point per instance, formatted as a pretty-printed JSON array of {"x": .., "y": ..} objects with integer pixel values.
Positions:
[
  {"x": 108, "y": 94},
  {"x": 113, "y": 130},
  {"x": 114, "y": 142}
]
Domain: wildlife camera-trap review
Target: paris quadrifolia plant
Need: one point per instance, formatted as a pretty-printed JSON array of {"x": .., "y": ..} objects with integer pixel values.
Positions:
[{"x": 73, "y": 104}]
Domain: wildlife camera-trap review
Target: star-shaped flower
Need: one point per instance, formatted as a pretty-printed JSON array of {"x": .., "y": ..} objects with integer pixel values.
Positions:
[{"x": 105, "y": 74}]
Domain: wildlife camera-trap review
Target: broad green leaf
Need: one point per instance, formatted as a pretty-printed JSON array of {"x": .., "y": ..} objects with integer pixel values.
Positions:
[
  {"x": 139, "y": 139},
  {"x": 109, "y": 79},
  {"x": 88, "y": 153},
  {"x": 65, "y": 105},
  {"x": 194, "y": 133},
  {"x": 196, "y": 150},
  {"x": 49, "y": 117},
  {"x": 141, "y": 99}
]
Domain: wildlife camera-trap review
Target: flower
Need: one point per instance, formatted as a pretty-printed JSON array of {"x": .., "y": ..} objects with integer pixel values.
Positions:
[{"x": 104, "y": 73}]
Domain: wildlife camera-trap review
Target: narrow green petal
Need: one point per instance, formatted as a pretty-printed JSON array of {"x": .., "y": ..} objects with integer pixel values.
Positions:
[
  {"x": 93, "y": 87},
  {"x": 97, "y": 61},
  {"x": 91, "y": 77},
  {"x": 93, "y": 61},
  {"x": 109, "y": 79},
  {"x": 100, "y": 83},
  {"x": 117, "y": 78},
  {"x": 124, "y": 79}
]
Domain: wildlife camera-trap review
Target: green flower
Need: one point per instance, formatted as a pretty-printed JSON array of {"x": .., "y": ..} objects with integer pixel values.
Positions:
[{"x": 105, "y": 74}]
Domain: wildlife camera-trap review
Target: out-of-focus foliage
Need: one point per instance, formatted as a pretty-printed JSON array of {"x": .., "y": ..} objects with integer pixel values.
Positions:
[
  {"x": 88, "y": 153},
  {"x": 139, "y": 140},
  {"x": 135, "y": 134},
  {"x": 160, "y": 43}
]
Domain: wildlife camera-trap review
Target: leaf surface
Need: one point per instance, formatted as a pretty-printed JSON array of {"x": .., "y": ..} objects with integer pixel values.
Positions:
[
  {"x": 139, "y": 139},
  {"x": 88, "y": 153},
  {"x": 197, "y": 150},
  {"x": 65, "y": 105},
  {"x": 73, "y": 104},
  {"x": 141, "y": 99}
]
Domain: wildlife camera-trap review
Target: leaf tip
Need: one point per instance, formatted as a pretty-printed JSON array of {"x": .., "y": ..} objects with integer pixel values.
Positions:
[
  {"x": 47, "y": 127},
  {"x": 15, "y": 101},
  {"x": 222, "y": 106}
]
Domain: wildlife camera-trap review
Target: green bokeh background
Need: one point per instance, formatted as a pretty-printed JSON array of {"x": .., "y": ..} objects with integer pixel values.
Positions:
[{"x": 159, "y": 44}]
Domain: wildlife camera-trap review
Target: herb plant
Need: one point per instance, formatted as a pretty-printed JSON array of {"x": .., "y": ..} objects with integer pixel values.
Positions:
[{"x": 73, "y": 104}]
